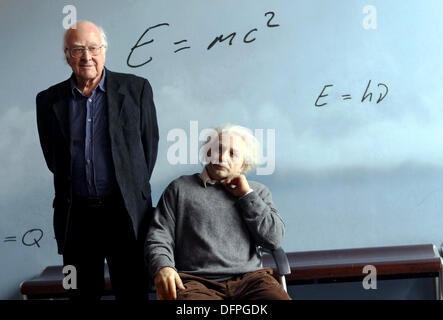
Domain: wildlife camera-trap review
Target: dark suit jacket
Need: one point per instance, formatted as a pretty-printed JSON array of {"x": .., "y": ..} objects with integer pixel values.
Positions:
[{"x": 134, "y": 138}]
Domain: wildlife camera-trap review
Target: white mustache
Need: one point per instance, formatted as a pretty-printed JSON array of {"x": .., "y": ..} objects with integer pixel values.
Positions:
[{"x": 221, "y": 165}]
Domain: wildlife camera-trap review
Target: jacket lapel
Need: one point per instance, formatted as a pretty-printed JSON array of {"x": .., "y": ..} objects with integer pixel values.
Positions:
[
  {"x": 61, "y": 110},
  {"x": 116, "y": 99}
]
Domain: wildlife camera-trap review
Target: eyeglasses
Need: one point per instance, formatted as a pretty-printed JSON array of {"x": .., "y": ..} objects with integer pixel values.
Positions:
[{"x": 78, "y": 52}]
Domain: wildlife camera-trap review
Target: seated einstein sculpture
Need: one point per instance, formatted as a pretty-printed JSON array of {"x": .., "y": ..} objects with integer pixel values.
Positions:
[{"x": 204, "y": 234}]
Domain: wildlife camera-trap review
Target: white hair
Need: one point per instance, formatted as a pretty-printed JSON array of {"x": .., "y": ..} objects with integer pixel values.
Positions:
[
  {"x": 251, "y": 144},
  {"x": 103, "y": 36}
]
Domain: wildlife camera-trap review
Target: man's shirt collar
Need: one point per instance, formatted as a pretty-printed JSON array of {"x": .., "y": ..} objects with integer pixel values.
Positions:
[{"x": 101, "y": 84}]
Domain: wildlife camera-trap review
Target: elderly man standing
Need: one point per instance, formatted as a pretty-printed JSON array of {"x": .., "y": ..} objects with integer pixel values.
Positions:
[
  {"x": 206, "y": 229},
  {"x": 99, "y": 135}
]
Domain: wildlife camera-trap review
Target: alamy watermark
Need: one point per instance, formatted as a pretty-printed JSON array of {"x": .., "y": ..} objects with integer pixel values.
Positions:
[
  {"x": 370, "y": 20},
  {"x": 370, "y": 281},
  {"x": 70, "y": 279},
  {"x": 185, "y": 147},
  {"x": 71, "y": 16}
]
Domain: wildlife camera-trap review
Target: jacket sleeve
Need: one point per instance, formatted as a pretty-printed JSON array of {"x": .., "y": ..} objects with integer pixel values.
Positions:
[
  {"x": 44, "y": 130},
  {"x": 160, "y": 241},
  {"x": 262, "y": 218},
  {"x": 149, "y": 127}
]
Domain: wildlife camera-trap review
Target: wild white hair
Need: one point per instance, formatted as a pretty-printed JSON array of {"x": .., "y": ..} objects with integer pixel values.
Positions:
[
  {"x": 103, "y": 36},
  {"x": 251, "y": 144}
]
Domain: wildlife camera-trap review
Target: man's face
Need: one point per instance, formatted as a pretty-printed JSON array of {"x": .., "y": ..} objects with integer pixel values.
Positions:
[
  {"x": 227, "y": 157},
  {"x": 87, "y": 67}
]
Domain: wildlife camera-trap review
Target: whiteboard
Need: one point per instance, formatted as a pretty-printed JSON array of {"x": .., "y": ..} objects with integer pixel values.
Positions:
[{"x": 347, "y": 94}]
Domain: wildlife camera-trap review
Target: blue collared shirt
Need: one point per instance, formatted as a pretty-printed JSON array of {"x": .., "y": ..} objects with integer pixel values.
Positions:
[{"x": 93, "y": 173}]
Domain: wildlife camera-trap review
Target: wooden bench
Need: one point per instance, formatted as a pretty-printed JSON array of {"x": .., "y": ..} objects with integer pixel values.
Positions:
[
  {"x": 395, "y": 262},
  {"x": 306, "y": 267}
]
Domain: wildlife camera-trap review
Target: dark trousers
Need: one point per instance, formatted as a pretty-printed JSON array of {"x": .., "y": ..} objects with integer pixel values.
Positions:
[
  {"x": 99, "y": 230},
  {"x": 257, "y": 285}
]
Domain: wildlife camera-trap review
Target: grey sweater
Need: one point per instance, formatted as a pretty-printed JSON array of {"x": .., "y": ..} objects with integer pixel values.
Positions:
[{"x": 208, "y": 232}]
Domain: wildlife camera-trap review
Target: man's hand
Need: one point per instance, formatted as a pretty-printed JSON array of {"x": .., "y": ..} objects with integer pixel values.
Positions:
[
  {"x": 237, "y": 185},
  {"x": 166, "y": 281}
]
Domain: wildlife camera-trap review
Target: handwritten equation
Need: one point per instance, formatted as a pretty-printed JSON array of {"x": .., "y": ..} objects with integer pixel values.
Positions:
[
  {"x": 183, "y": 44},
  {"x": 30, "y": 238},
  {"x": 382, "y": 90}
]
